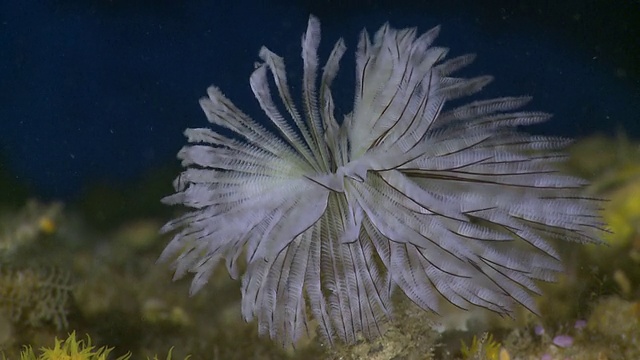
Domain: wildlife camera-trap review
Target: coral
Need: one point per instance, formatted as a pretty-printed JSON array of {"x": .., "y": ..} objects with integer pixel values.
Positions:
[
  {"x": 616, "y": 319},
  {"x": 156, "y": 312},
  {"x": 623, "y": 212},
  {"x": 614, "y": 168},
  {"x": 21, "y": 229},
  {"x": 410, "y": 333},
  {"x": 33, "y": 297},
  {"x": 70, "y": 349},
  {"x": 613, "y": 165},
  {"x": 485, "y": 348}
]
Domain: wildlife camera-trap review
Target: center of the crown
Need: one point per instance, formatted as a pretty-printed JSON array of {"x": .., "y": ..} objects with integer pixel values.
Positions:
[{"x": 355, "y": 170}]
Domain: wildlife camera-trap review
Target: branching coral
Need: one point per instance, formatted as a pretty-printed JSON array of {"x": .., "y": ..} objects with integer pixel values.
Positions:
[{"x": 33, "y": 297}]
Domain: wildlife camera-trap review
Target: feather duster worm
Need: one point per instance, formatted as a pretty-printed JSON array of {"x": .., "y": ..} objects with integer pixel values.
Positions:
[{"x": 333, "y": 216}]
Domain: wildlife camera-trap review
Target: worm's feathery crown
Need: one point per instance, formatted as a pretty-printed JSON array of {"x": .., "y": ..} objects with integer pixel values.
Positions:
[{"x": 444, "y": 204}]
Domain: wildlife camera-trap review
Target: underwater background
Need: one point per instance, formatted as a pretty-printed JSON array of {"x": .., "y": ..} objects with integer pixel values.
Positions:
[{"x": 95, "y": 96}]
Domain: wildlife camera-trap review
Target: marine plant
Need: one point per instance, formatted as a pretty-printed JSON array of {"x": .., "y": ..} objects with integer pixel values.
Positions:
[{"x": 404, "y": 192}]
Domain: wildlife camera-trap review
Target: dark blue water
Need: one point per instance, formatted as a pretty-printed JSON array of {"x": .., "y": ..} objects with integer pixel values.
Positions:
[{"x": 102, "y": 90}]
